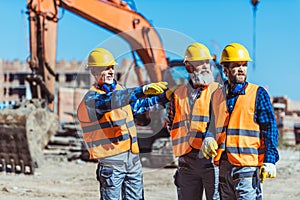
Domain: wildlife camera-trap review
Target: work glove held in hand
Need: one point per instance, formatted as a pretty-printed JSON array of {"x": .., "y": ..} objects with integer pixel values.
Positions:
[
  {"x": 155, "y": 88},
  {"x": 267, "y": 170},
  {"x": 209, "y": 147}
]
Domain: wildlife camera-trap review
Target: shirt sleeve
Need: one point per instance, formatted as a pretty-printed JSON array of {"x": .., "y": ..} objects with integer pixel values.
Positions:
[
  {"x": 211, "y": 130},
  {"x": 170, "y": 114},
  {"x": 102, "y": 103},
  {"x": 149, "y": 104},
  {"x": 265, "y": 117}
]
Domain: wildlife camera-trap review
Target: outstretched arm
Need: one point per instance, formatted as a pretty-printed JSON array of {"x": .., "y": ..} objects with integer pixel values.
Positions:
[
  {"x": 147, "y": 104},
  {"x": 103, "y": 103}
]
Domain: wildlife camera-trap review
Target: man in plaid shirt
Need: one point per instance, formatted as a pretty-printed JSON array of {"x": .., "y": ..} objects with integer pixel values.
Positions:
[
  {"x": 106, "y": 115},
  {"x": 244, "y": 123}
]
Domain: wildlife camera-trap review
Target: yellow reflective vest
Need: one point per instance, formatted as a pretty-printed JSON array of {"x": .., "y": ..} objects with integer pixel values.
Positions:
[
  {"x": 237, "y": 132},
  {"x": 189, "y": 124},
  {"x": 112, "y": 134}
]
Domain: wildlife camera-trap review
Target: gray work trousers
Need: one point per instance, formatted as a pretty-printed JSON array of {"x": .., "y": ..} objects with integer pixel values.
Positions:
[
  {"x": 239, "y": 183},
  {"x": 120, "y": 176}
]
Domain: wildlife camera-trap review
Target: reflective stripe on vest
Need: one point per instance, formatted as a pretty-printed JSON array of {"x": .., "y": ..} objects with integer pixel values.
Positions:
[
  {"x": 238, "y": 132},
  {"x": 188, "y": 128},
  {"x": 113, "y": 133}
]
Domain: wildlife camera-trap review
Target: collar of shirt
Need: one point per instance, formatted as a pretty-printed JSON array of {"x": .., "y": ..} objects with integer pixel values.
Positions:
[
  {"x": 193, "y": 93},
  {"x": 106, "y": 87}
]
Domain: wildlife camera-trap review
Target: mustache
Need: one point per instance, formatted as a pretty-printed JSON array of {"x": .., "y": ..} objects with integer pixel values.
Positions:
[
  {"x": 203, "y": 73},
  {"x": 205, "y": 70}
]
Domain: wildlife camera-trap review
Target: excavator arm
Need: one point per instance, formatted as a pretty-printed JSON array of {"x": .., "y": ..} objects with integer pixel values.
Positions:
[
  {"x": 113, "y": 15},
  {"x": 43, "y": 31}
]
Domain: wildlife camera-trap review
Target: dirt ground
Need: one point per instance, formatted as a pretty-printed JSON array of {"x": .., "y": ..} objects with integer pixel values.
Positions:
[{"x": 59, "y": 179}]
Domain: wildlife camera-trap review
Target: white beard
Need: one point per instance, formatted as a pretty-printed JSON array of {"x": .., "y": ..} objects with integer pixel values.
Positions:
[
  {"x": 109, "y": 81},
  {"x": 199, "y": 79}
]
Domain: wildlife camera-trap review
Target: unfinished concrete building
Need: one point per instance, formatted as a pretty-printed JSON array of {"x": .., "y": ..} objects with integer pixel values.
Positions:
[
  {"x": 288, "y": 119},
  {"x": 72, "y": 80}
]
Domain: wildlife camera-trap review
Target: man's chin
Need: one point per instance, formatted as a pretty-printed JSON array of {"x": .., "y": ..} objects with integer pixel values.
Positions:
[
  {"x": 207, "y": 79},
  {"x": 109, "y": 81},
  {"x": 240, "y": 79},
  {"x": 203, "y": 81}
]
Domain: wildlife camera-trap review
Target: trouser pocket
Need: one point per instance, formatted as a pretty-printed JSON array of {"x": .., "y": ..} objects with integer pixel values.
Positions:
[{"x": 105, "y": 175}]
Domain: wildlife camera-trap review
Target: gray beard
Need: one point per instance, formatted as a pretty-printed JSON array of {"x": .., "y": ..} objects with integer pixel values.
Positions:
[
  {"x": 108, "y": 81},
  {"x": 199, "y": 79}
]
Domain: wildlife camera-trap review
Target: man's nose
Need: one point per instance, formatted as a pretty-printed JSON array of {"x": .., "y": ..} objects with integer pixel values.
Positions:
[
  {"x": 240, "y": 68},
  {"x": 205, "y": 66}
]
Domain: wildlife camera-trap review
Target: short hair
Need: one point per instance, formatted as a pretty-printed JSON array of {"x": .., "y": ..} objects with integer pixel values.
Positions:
[{"x": 225, "y": 64}]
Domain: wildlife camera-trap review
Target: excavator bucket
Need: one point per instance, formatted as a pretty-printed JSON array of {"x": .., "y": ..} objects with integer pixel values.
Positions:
[{"x": 24, "y": 133}]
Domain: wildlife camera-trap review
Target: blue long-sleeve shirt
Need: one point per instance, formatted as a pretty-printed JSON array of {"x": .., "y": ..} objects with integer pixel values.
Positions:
[
  {"x": 102, "y": 103},
  {"x": 265, "y": 117}
]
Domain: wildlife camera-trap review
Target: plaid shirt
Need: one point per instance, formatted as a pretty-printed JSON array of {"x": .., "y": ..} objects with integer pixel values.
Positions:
[
  {"x": 103, "y": 103},
  {"x": 264, "y": 116}
]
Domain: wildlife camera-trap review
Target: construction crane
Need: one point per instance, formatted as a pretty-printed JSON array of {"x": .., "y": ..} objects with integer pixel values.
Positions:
[{"x": 254, "y": 3}]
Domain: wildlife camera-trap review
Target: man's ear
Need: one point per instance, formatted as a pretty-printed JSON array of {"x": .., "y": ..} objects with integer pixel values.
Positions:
[
  {"x": 93, "y": 71},
  {"x": 226, "y": 72}
]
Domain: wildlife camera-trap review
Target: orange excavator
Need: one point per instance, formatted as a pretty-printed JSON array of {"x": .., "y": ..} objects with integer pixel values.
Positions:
[
  {"x": 114, "y": 15},
  {"x": 26, "y": 130}
]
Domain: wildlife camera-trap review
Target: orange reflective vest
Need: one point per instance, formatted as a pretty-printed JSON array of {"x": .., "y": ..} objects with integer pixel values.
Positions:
[
  {"x": 189, "y": 124},
  {"x": 237, "y": 132},
  {"x": 112, "y": 134}
]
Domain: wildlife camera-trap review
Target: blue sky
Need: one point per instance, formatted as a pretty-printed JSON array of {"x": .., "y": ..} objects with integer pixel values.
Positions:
[{"x": 214, "y": 23}]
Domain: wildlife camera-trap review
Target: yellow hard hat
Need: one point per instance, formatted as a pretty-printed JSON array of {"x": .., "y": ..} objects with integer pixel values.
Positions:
[
  {"x": 234, "y": 52},
  {"x": 196, "y": 51},
  {"x": 100, "y": 57}
]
